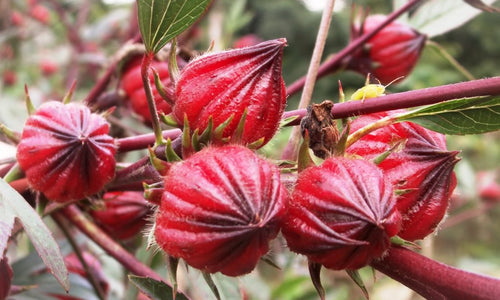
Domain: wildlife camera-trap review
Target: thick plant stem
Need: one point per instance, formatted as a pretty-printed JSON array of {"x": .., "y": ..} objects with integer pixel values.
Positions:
[
  {"x": 335, "y": 62},
  {"x": 473, "y": 88},
  {"x": 143, "y": 141},
  {"x": 145, "y": 71},
  {"x": 434, "y": 280},
  {"x": 292, "y": 147}
]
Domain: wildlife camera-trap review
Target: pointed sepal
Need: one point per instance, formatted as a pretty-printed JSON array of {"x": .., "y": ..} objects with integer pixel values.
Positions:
[
  {"x": 211, "y": 284},
  {"x": 29, "y": 104},
  {"x": 354, "y": 274},
  {"x": 67, "y": 98},
  {"x": 160, "y": 165},
  {"x": 304, "y": 160},
  {"x": 315, "y": 273},
  {"x": 170, "y": 153},
  {"x": 173, "y": 263}
]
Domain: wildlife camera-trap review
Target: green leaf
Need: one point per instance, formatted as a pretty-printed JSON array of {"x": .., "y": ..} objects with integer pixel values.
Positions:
[
  {"x": 156, "y": 290},
  {"x": 162, "y": 20},
  {"x": 13, "y": 204},
  {"x": 436, "y": 17},
  {"x": 458, "y": 117}
]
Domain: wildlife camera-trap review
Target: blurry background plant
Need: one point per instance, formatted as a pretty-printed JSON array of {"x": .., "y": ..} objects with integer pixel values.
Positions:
[{"x": 48, "y": 43}]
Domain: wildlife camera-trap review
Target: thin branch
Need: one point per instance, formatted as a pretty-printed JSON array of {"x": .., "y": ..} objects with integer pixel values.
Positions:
[
  {"x": 292, "y": 147},
  {"x": 335, "y": 62}
]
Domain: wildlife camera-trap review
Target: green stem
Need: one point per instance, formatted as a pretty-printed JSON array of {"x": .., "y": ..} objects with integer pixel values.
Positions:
[
  {"x": 145, "y": 72},
  {"x": 358, "y": 134},
  {"x": 442, "y": 51}
]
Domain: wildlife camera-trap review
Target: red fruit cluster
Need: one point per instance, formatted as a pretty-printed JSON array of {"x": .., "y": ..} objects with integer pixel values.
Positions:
[
  {"x": 420, "y": 168},
  {"x": 124, "y": 215},
  {"x": 225, "y": 84},
  {"x": 391, "y": 53},
  {"x": 66, "y": 152},
  {"x": 220, "y": 208},
  {"x": 131, "y": 83},
  {"x": 342, "y": 214}
]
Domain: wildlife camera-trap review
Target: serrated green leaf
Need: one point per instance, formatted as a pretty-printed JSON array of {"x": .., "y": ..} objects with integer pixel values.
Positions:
[
  {"x": 458, "y": 117},
  {"x": 156, "y": 290},
  {"x": 162, "y": 20},
  {"x": 35, "y": 228}
]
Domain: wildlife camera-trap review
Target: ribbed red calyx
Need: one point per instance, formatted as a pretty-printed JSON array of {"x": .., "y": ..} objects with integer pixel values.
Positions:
[
  {"x": 220, "y": 209},
  {"x": 224, "y": 84},
  {"x": 393, "y": 52},
  {"x": 124, "y": 214},
  {"x": 420, "y": 168},
  {"x": 131, "y": 83},
  {"x": 66, "y": 152},
  {"x": 341, "y": 214}
]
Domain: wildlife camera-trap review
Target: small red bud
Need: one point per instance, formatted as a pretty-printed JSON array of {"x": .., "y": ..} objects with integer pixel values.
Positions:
[
  {"x": 125, "y": 214},
  {"x": 40, "y": 13},
  {"x": 66, "y": 152},
  {"x": 9, "y": 77},
  {"x": 342, "y": 214},
  {"x": 421, "y": 170},
  {"x": 391, "y": 53},
  {"x": 220, "y": 209},
  {"x": 224, "y": 84},
  {"x": 48, "y": 67}
]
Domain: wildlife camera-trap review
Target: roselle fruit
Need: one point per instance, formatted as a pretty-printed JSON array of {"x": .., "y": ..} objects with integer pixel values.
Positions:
[
  {"x": 392, "y": 53},
  {"x": 220, "y": 209},
  {"x": 225, "y": 84},
  {"x": 342, "y": 214},
  {"x": 124, "y": 214},
  {"x": 66, "y": 152},
  {"x": 131, "y": 83},
  {"x": 420, "y": 168}
]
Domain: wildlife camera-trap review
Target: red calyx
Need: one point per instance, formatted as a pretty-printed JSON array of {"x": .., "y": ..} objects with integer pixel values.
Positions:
[
  {"x": 393, "y": 52},
  {"x": 224, "y": 84},
  {"x": 220, "y": 209},
  {"x": 131, "y": 83},
  {"x": 124, "y": 215},
  {"x": 420, "y": 168},
  {"x": 66, "y": 152},
  {"x": 342, "y": 214}
]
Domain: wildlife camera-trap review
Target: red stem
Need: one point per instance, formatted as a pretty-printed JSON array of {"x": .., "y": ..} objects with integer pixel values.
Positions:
[
  {"x": 335, "y": 62},
  {"x": 138, "y": 142},
  {"x": 434, "y": 280},
  {"x": 473, "y": 88}
]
